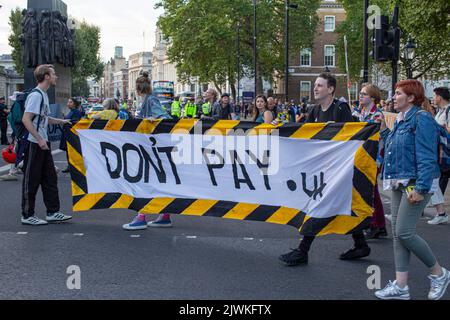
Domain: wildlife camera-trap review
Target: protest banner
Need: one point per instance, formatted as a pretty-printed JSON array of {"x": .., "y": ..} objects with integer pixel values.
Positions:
[{"x": 318, "y": 178}]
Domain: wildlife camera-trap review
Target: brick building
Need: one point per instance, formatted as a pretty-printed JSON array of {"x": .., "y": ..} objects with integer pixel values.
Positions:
[{"x": 305, "y": 66}]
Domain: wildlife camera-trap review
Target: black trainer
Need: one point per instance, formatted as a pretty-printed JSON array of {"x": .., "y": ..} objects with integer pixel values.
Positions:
[
  {"x": 295, "y": 258},
  {"x": 66, "y": 170},
  {"x": 375, "y": 233},
  {"x": 356, "y": 253}
]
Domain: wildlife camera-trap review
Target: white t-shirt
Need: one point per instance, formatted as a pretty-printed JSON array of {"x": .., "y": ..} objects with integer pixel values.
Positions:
[
  {"x": 33, "y": 105},
  {"x": 441, "y": 117}
]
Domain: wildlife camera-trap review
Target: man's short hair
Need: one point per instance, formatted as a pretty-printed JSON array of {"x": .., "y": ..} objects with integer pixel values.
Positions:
[
  {"x": 331, "y": 80},
  {"x": 443, "y": 92},
  {"x": 41, "y": 71}
]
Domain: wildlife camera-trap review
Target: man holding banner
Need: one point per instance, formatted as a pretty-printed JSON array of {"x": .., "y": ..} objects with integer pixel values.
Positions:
[{"x": 328, "y": 110}]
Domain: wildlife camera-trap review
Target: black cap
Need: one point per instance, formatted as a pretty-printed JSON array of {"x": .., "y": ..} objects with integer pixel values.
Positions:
[
  {"x": 2, "y": 98},
  {"x": 226, "y": 95}
]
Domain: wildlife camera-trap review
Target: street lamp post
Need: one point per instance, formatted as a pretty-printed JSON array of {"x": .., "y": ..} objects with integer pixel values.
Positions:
[
  {"x": 238, "y": 62},
  {"x": 366, "y": 43},
  {"x": 255, "y": 62},
  {"x": 410, "y": 49},
  {"x": 286, "y": 31}
]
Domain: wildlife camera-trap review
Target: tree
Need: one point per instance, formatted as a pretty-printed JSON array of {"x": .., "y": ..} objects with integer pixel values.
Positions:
[
  {"x": 425, "y": 21},
  {"x": 15, "y": 20},
  {"x": 203, "y": 34},
  {"x": 87, "y": 58}
]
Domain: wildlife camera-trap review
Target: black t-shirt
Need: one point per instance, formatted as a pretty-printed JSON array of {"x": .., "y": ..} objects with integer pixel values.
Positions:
[
  {"x": 225, "y": 112},
  {"x": 3, "y": 108},
  {"x": 338, "y": 112}
]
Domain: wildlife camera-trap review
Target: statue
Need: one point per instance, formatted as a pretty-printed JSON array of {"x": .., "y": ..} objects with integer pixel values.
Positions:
[
  {"x": 46, "y": 37},
  {"x": 66, "y": 44},
  {"x": 46, "y": 40},
  {"x": 72, "y": 48},
  {"x": 58, "y": 37},
  {"x": 30, "y": 28}
]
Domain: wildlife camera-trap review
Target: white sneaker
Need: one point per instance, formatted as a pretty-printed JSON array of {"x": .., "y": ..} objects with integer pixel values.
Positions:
[
  {"x": 439, "y": 285},
  {"x": 34, "y": 221},
  {"x": 8, "y": 177},
  {"x": 393, "y": 292},
  {"x": 439, "y": 220},
  {"x": 58, "y": 217}
]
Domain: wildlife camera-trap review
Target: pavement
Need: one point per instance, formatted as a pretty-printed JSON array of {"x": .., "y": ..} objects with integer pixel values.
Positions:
[{"x": 201, "y": 258}]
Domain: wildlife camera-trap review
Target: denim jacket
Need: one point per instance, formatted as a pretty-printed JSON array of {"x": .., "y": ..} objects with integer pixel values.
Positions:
[
  {"x": 411, "y": 150},
  {"x": 151, "y": 108}
]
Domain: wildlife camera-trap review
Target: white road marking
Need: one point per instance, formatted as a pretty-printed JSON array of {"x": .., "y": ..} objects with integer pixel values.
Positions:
[
  {"x": 78, "y": 234},
  {"x": 22, "y": 233},
  {"x": 191, "y": 237},
  {"x": 249, "y": 239},
  {"x": 135, "y": 236}
]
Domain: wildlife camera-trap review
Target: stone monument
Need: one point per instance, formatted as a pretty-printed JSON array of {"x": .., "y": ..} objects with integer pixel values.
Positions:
[{"x": 47, "y": 39}]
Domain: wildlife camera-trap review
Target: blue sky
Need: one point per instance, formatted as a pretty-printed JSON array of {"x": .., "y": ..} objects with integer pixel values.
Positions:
[{"x": 122, "y": 23}]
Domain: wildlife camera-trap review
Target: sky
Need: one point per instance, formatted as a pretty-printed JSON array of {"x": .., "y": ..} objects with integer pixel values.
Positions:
[{"x": 122, "y": 23}]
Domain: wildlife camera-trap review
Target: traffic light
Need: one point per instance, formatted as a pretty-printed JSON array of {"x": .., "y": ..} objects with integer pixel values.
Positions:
[
  {"x": 382, "y": 52},
  {"x": 387, "y": 40}
]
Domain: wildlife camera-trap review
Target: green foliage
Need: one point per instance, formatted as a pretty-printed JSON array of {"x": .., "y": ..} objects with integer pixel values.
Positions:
[
  {"x": 87, "y": 47},
  {"x": 15, "y": 20},
  {"x": 426, "y": 21},
  {"x": 203, "y": 36},
  {"x": 80, "y": 87},
  {"x": 87, "y": 58}
]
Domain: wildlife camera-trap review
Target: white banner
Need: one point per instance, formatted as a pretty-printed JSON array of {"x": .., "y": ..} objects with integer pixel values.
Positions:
[{"x": 313, "y": 176}]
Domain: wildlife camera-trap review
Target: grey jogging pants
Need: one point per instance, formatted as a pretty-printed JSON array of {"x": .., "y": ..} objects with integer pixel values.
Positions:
[{"x": 405, "y": 217}]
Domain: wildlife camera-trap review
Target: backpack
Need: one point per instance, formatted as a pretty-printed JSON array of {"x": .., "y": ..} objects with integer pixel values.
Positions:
[
  {"x": 444, "y": 144},
  {"x": 16, "y": 114},
  {"x": 317, "y": 108}
]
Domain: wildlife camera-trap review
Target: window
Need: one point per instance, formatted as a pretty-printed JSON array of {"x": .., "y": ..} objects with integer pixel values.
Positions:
[
  {"x": 192, "y": 87},
  {"x": 305, "y": 58},
  {"x": 330, "y": 23},
  {"x": 305, "y": 89},
  {"x": 329, "y": 56}
]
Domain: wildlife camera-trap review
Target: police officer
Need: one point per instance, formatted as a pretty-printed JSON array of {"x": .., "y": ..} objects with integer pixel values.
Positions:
[{"x": 176, "y": 108}]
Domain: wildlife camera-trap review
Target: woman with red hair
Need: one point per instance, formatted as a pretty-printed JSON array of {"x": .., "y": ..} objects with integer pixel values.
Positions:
[{"x": 411, "y": 171}]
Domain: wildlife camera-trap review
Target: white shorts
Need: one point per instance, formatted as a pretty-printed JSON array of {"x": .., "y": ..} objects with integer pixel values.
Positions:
[{"x": 437, "y": 198}]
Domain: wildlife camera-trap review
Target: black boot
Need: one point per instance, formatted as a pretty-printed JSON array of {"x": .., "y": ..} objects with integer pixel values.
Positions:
[
  {"x": 360, "y": 249},
  {"x": 356, "y": 253},
  {"x": 295, "y": 258},
  {"x": 376, "y": 233}
]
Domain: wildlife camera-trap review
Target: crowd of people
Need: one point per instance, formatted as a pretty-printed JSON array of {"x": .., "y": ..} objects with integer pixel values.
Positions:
[{"x": 408, "y": 159}]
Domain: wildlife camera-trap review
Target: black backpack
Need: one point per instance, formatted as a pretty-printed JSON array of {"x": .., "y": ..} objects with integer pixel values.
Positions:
[
  {"x": 338, "y": 103},
  {"x": 20, "y": 130}
]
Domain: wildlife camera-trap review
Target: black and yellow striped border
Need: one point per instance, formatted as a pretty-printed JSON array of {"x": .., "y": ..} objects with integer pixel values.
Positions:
[{"x": 364, "y": 179}]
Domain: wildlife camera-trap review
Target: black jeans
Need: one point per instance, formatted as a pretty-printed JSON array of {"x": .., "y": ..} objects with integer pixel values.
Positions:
[
  {"x": 443, "y": 181},
  {"x": 4, "y": 129},
  {"x": 39, "y": 170},
  {"x": 358, "y": 238}
]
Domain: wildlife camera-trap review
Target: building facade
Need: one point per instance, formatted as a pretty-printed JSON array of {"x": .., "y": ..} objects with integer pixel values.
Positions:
[
  {"x": 111, "y": 78},
  {"x": 120, "y": 84},
  {"x": 137, "y": 64},
  {"x": 307, "y": 64},
  {"x": 164, "y": 70},
  {"x": 10, "y": 81}
]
